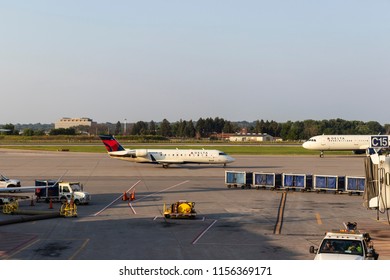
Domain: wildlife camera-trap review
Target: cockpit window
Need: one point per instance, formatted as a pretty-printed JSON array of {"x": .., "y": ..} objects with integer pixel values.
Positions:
[{"x": 222, "y": 154}]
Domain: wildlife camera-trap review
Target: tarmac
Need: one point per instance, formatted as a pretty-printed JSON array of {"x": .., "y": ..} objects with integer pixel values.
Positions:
[{"x": 231, "y": 223}]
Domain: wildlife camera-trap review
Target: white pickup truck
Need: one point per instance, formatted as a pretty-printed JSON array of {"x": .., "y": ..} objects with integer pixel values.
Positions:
[
  {"x": 9, "y": 183},
  {"x": 345, "y": 244}
]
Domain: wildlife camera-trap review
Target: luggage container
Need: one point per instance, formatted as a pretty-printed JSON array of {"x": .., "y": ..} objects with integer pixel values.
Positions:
[
  {"x": 302, "y": 182},
  {"x": 267, "y": 180},
  {"x": 236, "y": 179},
  {"x": 355, "y": 185},
  {"x": 328, "y": 183}
]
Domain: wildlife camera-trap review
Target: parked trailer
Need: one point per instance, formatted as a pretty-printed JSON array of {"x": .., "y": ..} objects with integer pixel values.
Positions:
[
  {"x": 328, "y": 183},
  {"x": 355, "y": 185},
  {"x": 236, "y": 179},
  {"x": 267, "y": 180},
  {"x": 302, "y": 182}
]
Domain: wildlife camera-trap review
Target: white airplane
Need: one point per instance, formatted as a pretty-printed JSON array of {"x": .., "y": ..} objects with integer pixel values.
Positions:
[
  {"x": 356, "y": 143},
  {"x": 164, "y": 156}
]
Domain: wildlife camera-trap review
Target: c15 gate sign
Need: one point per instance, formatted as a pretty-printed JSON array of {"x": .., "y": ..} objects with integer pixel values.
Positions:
[{"x": 380, "y": 141}]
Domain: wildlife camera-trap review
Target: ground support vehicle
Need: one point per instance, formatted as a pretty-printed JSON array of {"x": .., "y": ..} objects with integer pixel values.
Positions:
[
  {"x": 180, "y": 209},
  {"x": 68, "y": 209},
  {"x": 61, "y": 191},
  {"x": 243, "y": 179},
  {"x": 345, "y": 244},
  {"x": 9, "y": 208},
  {"x": 6, "y": 198},
  {"x": 9, "y": 183}
]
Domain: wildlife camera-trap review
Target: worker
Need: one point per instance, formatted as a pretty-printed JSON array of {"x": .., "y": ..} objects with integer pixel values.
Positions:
[
  {"x": 355, "y": 247},
  {"x": 328, "y": 247}
]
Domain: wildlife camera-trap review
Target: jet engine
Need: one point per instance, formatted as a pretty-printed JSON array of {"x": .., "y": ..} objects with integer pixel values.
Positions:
[{"x": 141, "y": 152}]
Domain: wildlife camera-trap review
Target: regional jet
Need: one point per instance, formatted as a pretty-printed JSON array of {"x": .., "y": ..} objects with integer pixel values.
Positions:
[
  {"x": 165, "y": 157},
  {"x": 356, "y": 143}
]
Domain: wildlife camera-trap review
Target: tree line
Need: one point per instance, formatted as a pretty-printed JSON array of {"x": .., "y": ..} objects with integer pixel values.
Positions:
[{"x": 214, "y": 127}]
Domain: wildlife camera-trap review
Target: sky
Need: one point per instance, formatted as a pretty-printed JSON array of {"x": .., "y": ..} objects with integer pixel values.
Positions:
[{"x": 132, "y": 61}]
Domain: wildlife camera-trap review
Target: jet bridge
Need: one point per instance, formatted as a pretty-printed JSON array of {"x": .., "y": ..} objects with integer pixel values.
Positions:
[{"x": 377, "y": 191}]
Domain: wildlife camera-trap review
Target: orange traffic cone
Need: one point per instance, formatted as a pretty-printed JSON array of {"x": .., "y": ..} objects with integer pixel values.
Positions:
[
  {"x": 51, "y": 204},
  {"x": 125, "y": 197},
  {"x": 132, "y": 196}
]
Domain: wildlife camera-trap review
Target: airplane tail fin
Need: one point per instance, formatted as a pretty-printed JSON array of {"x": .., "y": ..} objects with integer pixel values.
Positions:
[{"x": 112, "y": 145}]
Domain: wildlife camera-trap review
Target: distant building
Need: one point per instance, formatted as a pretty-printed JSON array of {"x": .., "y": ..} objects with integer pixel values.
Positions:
[
  {"x": 73, "y": 122},
  {"x": 251, "y": 137}
]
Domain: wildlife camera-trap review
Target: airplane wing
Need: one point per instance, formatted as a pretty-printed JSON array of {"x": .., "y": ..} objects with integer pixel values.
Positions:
[
  {"x": 20, "y": 189},
  {"x": 153, "y": 159}
]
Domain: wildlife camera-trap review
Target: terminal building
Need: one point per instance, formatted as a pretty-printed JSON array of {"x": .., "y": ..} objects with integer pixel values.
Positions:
[{"x": 74, "y": 122}]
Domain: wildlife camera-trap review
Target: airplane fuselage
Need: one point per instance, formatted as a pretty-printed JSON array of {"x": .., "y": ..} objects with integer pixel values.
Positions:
[
  {"x": 172, "y": 156},
  {"x": 338, "y": 142},
  {"x": 164, "y": 156},
  {"x": 357, "y": 143}
]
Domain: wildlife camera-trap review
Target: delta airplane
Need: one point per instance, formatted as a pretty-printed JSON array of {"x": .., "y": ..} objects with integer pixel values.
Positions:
[
  {"x": 164, "y": 156},
  {"x": 356, "y": 143}
]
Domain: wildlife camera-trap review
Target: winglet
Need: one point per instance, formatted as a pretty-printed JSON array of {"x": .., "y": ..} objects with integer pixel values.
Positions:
[{"x": 112, "y": 145}]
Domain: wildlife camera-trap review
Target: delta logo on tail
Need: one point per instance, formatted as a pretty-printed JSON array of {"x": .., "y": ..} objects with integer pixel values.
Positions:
[
  {"x": 111, "y": 144},
  {"x": 165, "y": 157}
]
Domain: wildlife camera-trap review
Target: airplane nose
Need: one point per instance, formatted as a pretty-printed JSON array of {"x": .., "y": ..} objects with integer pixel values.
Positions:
[
  {"x": 305, "y": 145},
  {"x": 231, "y": 159}
]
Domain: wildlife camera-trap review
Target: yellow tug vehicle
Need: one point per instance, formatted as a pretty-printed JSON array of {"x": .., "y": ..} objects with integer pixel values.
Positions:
[{"x": 180, "y": 209}]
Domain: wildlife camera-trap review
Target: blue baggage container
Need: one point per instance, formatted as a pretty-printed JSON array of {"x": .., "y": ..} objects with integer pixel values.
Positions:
[
  {"x": 302, "y": 182},
  {"x": 236, "y": 179},
  {"x": 267, "y": 180},
  {"x": 355, "y": 185},
  {"x": 328, "y": 183}
]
